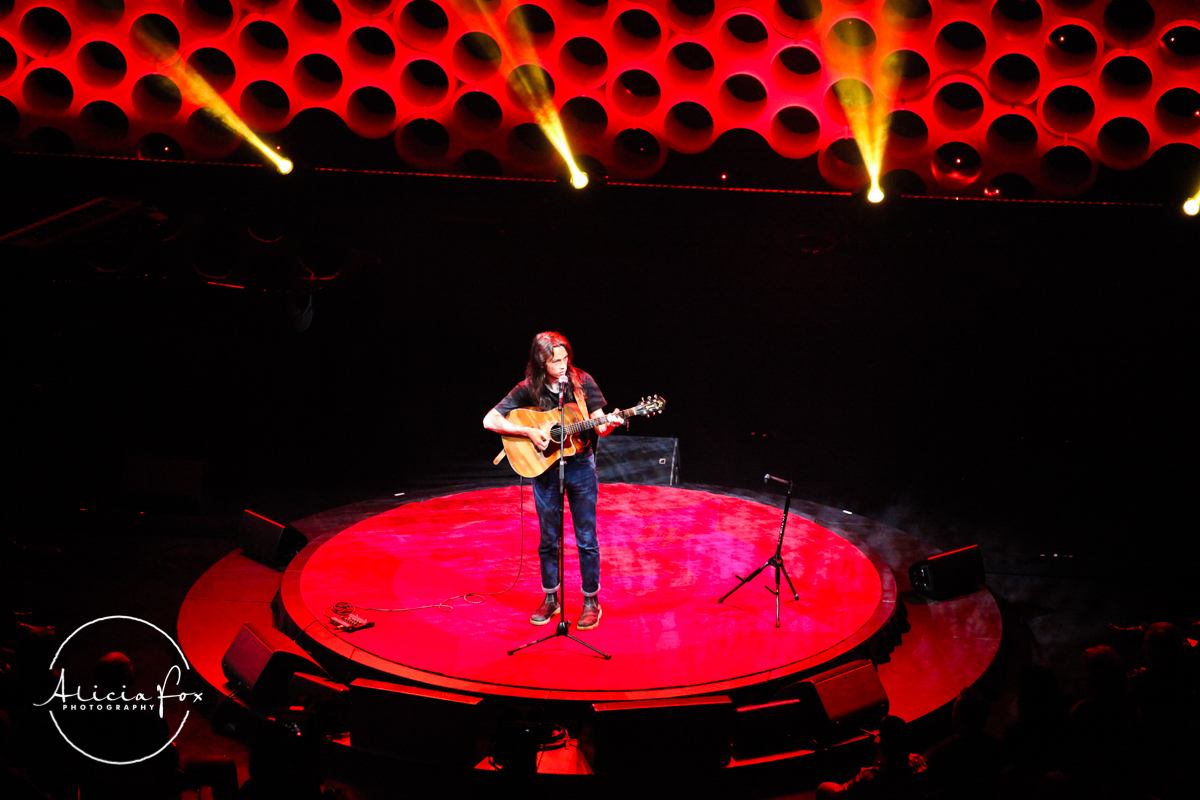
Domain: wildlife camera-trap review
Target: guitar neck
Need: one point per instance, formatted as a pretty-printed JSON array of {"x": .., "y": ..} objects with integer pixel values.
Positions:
[{"x": 588, "y": 424}]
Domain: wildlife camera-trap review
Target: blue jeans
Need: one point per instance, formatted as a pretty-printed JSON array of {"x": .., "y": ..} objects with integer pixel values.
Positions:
[{"x": 583, "y": 487}]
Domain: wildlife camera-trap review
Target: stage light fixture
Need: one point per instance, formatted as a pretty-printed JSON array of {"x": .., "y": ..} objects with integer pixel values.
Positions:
[
  {"x": 197, "y": 89},
  {"x": 551, "y": 124},
  {"x": 865, "y": 96},
  {"x": 1192, "y": 205},
  {"x": 531, "y": 85}
]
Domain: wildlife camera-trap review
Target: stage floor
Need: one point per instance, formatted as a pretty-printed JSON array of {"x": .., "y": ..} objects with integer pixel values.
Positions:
[{"x": 667, "y": 555}]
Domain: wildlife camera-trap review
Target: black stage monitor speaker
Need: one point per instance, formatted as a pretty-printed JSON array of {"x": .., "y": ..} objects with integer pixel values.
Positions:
[
  {"x": 770, "y": 728},
  {"x": 648, "y": 737},
  {"x": 318, "y": 694},
  {"x": 949, "y": 574},
  {"x": 264, "y": 661},
  {"x": 268, "y": 541},
  {"x": 650, "y": 460},
  {"x": 418, "y": 724},
  {"x": 837, "y": 703}
]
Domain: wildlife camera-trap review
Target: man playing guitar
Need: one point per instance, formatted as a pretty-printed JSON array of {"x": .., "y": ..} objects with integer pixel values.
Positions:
[{"x": 548, "y": 372}]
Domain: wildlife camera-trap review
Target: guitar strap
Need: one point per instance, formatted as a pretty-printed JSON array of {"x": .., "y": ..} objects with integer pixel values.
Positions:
[{"x": 579, "y": 401}]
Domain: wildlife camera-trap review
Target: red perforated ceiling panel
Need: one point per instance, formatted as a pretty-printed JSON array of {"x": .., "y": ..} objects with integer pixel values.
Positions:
[{"x": 976, "y": 94}]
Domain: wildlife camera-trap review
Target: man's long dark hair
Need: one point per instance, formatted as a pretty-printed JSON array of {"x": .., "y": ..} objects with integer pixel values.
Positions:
[{"x": 540, "y": 352}]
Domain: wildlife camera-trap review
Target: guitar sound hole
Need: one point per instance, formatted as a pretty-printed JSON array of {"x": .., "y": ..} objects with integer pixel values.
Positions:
[{"x": 556, "y": 434}]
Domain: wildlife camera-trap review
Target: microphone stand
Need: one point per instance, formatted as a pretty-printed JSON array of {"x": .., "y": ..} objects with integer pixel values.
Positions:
[
  {"x": 776, "y": 560},
  {"x": 564, "y": 625}
]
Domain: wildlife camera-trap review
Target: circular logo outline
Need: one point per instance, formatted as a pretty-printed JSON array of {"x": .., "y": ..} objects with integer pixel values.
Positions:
[{"x": 174, "y": 736}]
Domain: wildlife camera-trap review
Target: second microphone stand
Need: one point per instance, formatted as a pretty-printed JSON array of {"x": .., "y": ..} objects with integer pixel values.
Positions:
[
  {"x": 775, "y": 560},
  {"x": 564, "y": 625}
]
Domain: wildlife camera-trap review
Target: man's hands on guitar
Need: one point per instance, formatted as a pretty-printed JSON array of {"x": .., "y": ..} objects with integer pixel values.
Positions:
[
  {"x": 527, "y": 437},
  {"x": 540, "y": 439},
  {"x": 613, "y": 420}
]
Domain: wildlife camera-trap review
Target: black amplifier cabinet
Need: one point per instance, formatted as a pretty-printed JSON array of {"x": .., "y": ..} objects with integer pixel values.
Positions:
[{"x": 649, "y": 460}]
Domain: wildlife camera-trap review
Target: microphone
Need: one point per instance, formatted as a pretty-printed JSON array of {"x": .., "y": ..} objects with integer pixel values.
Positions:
[
  {"x": 562, "y": 383},
  {"x": 769, "y": 477}
]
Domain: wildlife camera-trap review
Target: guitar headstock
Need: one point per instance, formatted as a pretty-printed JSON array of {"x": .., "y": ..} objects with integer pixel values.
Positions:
[{"x": 649, "y": 406}]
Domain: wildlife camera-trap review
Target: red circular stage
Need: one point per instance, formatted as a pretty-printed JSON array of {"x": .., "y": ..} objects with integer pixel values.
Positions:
[{"x": 667, "y": 555}]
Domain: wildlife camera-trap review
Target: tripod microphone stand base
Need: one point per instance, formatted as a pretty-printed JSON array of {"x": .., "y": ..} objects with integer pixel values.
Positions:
[
  {"x": 776, "y": 560},
  {"x": 562, "y": 629}
]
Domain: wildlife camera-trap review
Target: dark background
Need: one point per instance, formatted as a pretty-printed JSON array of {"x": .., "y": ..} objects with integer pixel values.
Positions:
[{"x": 1000, "y": 371}]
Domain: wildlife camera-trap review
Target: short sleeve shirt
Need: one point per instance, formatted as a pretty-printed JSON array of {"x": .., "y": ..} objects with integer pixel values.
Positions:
[{"x": 520, "y": 397}]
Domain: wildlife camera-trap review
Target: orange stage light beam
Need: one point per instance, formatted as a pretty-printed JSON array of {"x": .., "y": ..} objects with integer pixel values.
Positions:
[
  {"x": 197, "y": 90},
  {"x": 531, "y": 87},
  {"x": 866, "y": 112}
]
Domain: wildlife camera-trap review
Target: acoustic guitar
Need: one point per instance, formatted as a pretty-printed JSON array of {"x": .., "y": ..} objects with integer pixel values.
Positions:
[{"x": 530, "y": 462}]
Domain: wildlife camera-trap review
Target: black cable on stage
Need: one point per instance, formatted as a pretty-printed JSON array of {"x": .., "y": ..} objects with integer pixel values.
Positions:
[{"x": 444, "y": 605}]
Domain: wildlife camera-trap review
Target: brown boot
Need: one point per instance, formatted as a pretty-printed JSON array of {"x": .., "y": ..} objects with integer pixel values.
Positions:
[
  {"x": 590, "y": 616},
  {"x": 546, "y": 611}
]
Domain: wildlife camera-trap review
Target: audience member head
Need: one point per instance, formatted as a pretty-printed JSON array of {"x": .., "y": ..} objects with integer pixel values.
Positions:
[
  {"x": 112, "y": 672},
  {"x": 1164, "y": 647},
  {"x": 1104, "y": 670},
  {"x": 971, "y": 710},
  {"x": 1055, "y": 785},
  {"x": 893, "y": 739}
]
